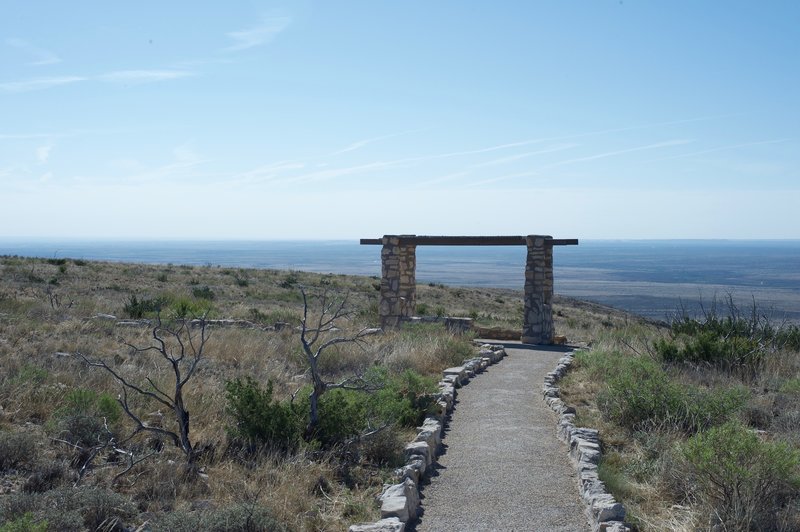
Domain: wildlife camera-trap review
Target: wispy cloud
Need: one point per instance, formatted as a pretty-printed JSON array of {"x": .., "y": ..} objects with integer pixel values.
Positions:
[
  {"x": 39, "y": 84},
  {"x": 657, "y": 145},
  {"x": 257, "y": 35},
  {"x": 43, "y": 153},
  {"x": 324, "y": 175},
  {"x": 519, "y": 156},
  {"x": 444, "y": 178},
  {"x": 721, "y": 148},
  {"x": 144, "y": 76},
  {"x": 265, "y": 173},
  {"x": 571, "y": 136},
  {"x": 40, "y": 55},
  {"x": 501, "y": 178},
  {"x": 23, "y": 136},
  {"x": 361, "y": 143},
  {"x": 117, "y": 76}
]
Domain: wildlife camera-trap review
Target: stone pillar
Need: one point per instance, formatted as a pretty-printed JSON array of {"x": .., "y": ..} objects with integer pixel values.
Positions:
[
  {"x": 398, "y": 281},
  {"x": 538, "y": 324},
  {"x": 408, "y": 280}
]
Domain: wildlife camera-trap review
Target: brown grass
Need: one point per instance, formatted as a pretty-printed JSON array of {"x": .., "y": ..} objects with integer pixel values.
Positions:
[{"x": 49, "y": 311}]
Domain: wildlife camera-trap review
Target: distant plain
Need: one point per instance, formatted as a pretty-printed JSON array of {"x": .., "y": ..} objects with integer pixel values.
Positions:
[{"x": 651, "y": 278}]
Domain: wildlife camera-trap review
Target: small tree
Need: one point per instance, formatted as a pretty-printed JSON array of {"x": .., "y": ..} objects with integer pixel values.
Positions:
[
  {"x": 316, "y": 337},
  {"x": 182, "y": 350}
]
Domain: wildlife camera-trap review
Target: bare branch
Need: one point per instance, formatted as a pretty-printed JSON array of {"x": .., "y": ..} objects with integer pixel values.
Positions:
[{"x": 121, "y": 380}]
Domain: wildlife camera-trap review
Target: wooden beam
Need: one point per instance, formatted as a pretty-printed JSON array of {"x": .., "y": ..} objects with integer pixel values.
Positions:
[
  {"x": 469, "y": 241},
  {"x": 561, "y": 242},
  {"x": 464, "y": 240}
]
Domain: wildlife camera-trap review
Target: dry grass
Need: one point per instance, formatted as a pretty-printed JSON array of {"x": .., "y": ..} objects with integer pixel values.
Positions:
[
  {"x": 644, "y": 467},
  {"x": 50, "y": 310}
]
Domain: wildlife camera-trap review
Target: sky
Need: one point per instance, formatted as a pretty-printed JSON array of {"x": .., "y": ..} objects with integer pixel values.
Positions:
[{"x": 592, "y": 119}]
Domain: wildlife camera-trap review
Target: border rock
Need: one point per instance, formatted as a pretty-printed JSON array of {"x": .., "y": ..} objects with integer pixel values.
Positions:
[
  {"x": 604, "y": 512},
  {"x": 400, "y": 502}
]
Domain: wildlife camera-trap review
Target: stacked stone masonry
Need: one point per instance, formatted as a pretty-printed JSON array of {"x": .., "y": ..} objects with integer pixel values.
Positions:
[
  {"x": 538, "y": 320},
  {"x": 398, "y": 281},
  {"x": 399, "y": 291},
  {"x": 400, "y": 502},
  {"x": 603, "y": 511}
]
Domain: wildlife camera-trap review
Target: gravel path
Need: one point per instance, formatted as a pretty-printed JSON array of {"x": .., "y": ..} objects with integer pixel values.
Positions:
[{"x": 503, "y": 467}]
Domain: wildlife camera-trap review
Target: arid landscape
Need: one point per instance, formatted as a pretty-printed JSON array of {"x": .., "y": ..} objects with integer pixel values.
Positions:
[
  {"x": 64, "y": 465},
  {"x": 69, "y": 461}
]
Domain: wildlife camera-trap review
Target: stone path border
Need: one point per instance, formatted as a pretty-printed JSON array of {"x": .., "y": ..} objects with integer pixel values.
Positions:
[
  {"x": 400, "y": 502},
  {"x": 604, "y": 512}
]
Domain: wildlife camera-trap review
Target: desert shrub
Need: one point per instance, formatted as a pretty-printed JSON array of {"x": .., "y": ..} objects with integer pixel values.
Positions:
[
  {"x": 203, "y": 292},
  {"x": 29, "y": 374},
  {"x": 791, "y": 386},
  {"x": 453, "y": 350},
  {"x": 385, "y": 448},
  {"x": 86, "y": 416},
  {"x": 736, "y": 342},
  {"x": 290, "y": 281},
  {"x": 236, "y": 518},
  {"x": 744, "y": 480},
  {"x": 736, "y": 354},
  {"x": 640, "y": 394},
  {"x": 17, "y": 449},
  {"x": 70, "y": 508},
  {"x": 46, "y": 477},
  {"x": 401, "y": 400},
  {"x": 406, "y": 397},
  {"x": 24, "y": 523},
  {"x": 181, "y": 308},
  {"x": 139, "y": 308},
  {"x": 612, "y": 471},
  {"x": 258, "y": 419},
  {"x": 275, "y": 316}
]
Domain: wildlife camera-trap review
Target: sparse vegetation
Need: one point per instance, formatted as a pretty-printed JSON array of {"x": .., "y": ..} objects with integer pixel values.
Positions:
[
  {"x": 698, "y": 419},
  {"x": 62, "y": 430}
]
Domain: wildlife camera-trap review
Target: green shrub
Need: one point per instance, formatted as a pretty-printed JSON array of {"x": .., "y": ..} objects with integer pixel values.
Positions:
[
  {"x": 640, "y": 394},
  {"x": 24, "y": 523},
  {"x": 290, "y": 281},
  {"x": 791, "y": 386},
  {"x": 29, "y": 374},
  {"x": 402, "y": 400},
  {"x": 743, "y": 479},
  {"x": 422, "y": 309},
  {"x": 204, "y": 292},
  {"x": 236, "y": 518},
  {"x": 258, "y": 419},
  {"x": 84, "y": 417},
  {"x": 737, "y": 354},
  {"x": 17, "y": 449},
  {"x": 735, "y": 342},
  {"x": 139, "y": 308},
  {"x": 69, "y": 508},
  {"x": 183, "y": 308}
]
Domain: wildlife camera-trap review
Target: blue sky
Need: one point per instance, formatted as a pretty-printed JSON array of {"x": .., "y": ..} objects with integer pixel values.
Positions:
[{"x": 264, "y": 120}]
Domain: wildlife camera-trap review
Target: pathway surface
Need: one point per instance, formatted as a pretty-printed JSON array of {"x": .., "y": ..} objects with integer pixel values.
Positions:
[{"x": 503, "y": 469}]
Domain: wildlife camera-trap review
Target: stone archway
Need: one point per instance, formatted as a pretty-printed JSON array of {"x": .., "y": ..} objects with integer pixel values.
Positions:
[{"x": 399, "y": 285}]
